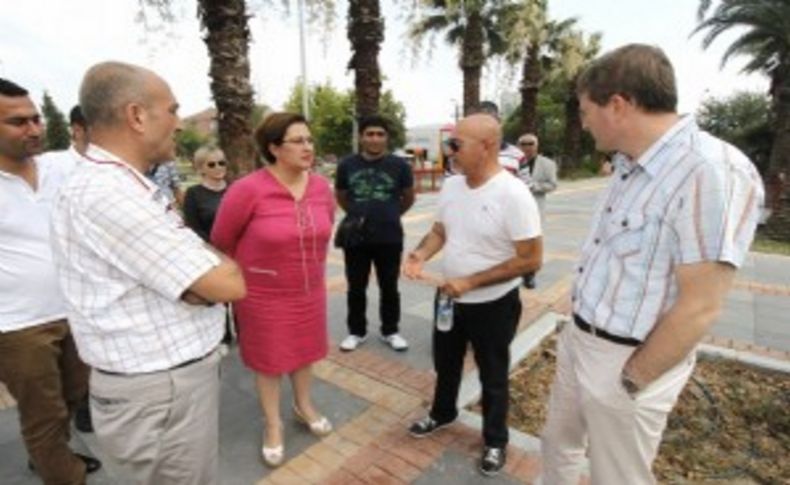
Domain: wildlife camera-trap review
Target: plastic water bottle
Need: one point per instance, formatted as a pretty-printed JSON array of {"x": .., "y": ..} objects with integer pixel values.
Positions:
[{"x": 444, "y": 313}]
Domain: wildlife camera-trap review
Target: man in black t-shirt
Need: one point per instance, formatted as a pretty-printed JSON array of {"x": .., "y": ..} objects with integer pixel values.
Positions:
[{"x": 377, "y": 187}]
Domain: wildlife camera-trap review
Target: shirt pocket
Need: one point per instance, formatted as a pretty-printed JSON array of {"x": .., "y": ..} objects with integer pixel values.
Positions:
[{"x": 626, "y": 234}]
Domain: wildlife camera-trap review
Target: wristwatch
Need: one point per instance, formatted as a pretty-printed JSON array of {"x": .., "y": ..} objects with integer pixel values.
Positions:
[{"x": 629, "y": 385}]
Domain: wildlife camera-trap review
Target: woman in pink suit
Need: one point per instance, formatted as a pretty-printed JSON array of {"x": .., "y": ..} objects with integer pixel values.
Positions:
[{"x": 276, "y": 223}]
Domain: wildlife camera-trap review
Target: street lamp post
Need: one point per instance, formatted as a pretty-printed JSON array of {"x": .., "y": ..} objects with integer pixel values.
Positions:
[{"x": 303, "y": 60}]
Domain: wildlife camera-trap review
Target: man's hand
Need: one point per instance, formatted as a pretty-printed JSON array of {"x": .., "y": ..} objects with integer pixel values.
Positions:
[
  {"x": 456, "y": 287},
  {"x": 412, "y": 266}
]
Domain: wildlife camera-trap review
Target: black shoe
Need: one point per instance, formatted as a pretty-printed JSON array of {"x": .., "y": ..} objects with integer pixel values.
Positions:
[
  {"x": 82, "y": 418},
  {"x": 492, "y": 461},
  {"x": 91, "y": 464},
  {"x": 529, "y": 281},
  {"x": 426, "y": 426}
]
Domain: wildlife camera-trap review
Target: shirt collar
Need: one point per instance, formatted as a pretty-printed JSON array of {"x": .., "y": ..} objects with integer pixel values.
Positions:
[
  {"x": 95, "y": 153},
  {"x": 650, "y": 161}
]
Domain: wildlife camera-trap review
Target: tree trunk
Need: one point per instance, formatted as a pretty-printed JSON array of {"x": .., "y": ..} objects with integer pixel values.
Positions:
[
  {"x": 530, "y": 84},
  {"x": 227, "y": 38},
  {"x": 777, "y": 181},
  {"x": 366, "y": 33},
  {"x": 472, "y": 59},
  {"x": 573, "y": 130}
]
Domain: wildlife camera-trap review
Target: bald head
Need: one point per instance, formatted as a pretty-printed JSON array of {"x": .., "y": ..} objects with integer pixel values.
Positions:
[
  {"x": 109, "y": 87},
  {"x": 482, "y": 127}
]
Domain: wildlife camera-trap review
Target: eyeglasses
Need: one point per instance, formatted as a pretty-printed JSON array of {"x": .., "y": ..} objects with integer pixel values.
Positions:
[
  {"x": 526, "y": 143},
  {"x": 220, "y": 163},
  {"x": 306, "y": 140}
]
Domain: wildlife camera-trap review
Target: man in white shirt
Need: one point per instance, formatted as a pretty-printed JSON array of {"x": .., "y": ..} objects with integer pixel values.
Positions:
[
  {"x": 489, "y": 229},
  {"x": 140, "y": 287},
  {"x": 674, "y": 224},
  {"x": 38, "y": 361}
]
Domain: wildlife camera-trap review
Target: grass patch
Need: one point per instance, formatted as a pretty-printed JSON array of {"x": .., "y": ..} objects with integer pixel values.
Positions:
[{"x": 763, "y": 244}]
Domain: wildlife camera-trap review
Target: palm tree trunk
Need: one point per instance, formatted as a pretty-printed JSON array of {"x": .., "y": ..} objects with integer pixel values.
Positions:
[
  {"x": 573, "y": 130},
  {"x": 778, "y": 177},
  {"x": 227, "y": 38},
  {"x": 472, "y": 60},
  {"x": 530, "y": 83},
  {"x": 366, "y": 33}
]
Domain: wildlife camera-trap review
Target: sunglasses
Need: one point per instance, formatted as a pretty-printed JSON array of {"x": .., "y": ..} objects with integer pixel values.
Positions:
[
  {"x": 220, "y": 163},
  {"x": 454, "y": 144}
]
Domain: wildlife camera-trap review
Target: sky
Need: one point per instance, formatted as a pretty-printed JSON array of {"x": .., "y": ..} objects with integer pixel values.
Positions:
[{"x": 48, "y": 45}]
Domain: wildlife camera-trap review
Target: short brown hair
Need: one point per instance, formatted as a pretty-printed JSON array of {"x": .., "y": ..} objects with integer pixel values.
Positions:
[
  {"x": 272, "y": 130},
  {"x": 638, "y": 72}
]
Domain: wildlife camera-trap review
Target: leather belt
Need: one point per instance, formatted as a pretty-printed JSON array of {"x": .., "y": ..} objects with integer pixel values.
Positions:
[
  {"x": 186, "y": 363},
  {"x": 586, "y": 327}
]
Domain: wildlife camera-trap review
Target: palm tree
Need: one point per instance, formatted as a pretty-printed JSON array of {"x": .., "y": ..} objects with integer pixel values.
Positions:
[
  {"x": 763, "y": 28},
  {"x": 575, "y": 50},
  {"x": 227, "y": 38},
  {"x": 366, "y": 33},
  {"x": 472, "y": 27},
  {"x": 534, "y": 40}
]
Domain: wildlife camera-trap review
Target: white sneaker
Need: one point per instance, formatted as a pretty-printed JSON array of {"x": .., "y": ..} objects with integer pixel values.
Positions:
[
  {"x": 352, "y": 342},
  {"x": 395, "y": 341}
]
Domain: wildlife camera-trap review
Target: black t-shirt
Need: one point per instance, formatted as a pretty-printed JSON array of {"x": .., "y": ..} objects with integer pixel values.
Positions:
[
  {"x": 374, "y": 189},
  {"x": 200, "y": 208}
]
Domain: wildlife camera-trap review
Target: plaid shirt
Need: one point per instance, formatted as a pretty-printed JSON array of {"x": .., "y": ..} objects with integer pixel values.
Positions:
[
  {"x": 689, "y": 198},
  {"x": 124, "y": 259}
]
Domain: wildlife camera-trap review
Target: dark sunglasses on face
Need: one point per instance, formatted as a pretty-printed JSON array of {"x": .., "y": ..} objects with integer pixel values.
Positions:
[
  {"x": 454, "y": 144},
  {"x": 220, "y": 163}
]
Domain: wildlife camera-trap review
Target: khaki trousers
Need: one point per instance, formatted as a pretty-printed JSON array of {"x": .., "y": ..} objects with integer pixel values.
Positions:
[
  {"x": 43, "y": 372},
  {"x": 160, "y": 428},
  {"x": 590, "y": 413}
]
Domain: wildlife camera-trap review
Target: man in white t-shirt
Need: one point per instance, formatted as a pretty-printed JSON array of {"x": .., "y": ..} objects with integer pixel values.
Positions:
[
  {"x": 489, "y": 228},
  {"x": 38, "y": 359}
]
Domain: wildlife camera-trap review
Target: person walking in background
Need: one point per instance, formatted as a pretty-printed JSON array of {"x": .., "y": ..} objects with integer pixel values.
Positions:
[
  {"x": 141, "y": 288},
  {"x": 277, "y": 222},
  {"x": 38, "y": 360},
  {"x": 201, "y": 201},
  {"x": 510, "y": 157},
  {"x": 375, "y": 188},
  {"x": 489, "y": 230},
  {"x": 539, "y": 173},
  {"x": 672, "y": 227}
]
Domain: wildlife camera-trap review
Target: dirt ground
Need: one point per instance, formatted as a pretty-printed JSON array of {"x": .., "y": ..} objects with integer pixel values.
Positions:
[{"x": 731, "y": 424}]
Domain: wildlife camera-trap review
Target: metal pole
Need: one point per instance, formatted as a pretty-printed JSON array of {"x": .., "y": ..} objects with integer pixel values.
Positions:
[{"x": 303, "y": 59}]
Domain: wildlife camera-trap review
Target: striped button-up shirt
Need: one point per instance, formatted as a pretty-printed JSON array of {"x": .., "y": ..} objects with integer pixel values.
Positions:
[
  {"x": 689, "y": 198},
  {"x": 124, "y": 259}
]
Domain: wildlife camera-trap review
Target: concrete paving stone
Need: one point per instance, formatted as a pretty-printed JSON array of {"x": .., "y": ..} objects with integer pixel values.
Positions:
[
  {"x": 374, "y": 475},
  {"x": 365, "y": 458},
  {"x": 399, "y": 467},
  {"x": 306, "y": 467},
  {"x": 454, "y": 468},
  {"x": 326, "y": 455},
  {"x": 283, "y": 476}
]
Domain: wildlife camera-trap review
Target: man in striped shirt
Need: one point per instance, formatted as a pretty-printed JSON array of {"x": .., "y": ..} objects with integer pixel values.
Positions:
[{"x": 674, "y": 224}]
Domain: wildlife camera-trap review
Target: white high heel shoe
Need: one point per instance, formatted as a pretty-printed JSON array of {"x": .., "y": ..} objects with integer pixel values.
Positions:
[
  {"x": 320, "y": 427},
  {"x": 273, "y": 456}
]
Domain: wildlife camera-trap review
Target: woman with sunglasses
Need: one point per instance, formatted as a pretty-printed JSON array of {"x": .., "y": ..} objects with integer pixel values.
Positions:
[
  {"x": 276, "y": 223},
  {"x": 202, "y": 200}
]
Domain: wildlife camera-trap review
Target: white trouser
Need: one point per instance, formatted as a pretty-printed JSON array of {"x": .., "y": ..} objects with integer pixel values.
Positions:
[{"x": 590, "y": 413}]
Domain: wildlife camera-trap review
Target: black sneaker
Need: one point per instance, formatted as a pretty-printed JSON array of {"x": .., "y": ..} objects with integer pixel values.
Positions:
[
  {"x": 529, "y": 281},
  {"x": 426, "y": 426},
  {"x": 91, "y": 464},
  {"x": 492, "y": 461}
]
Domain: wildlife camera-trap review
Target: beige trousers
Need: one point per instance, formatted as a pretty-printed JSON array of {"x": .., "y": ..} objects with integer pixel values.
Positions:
[
  {"x": 160, "y": 428},
  {"x": 591, "y": 414}
]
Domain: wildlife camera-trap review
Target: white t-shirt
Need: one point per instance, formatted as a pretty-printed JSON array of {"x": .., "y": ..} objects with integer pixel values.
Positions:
[
  {"x": 29, "y": 290},
  {"x": 481, "y": 226}
]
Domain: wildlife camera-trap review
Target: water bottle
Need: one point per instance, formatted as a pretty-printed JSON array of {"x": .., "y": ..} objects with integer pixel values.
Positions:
[{"x": 444, "y": 313}]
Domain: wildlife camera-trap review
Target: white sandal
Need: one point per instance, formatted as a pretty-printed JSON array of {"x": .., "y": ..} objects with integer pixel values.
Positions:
[
  {"x": 320, "y": 427},
  {"x": 273, "y": 456}
]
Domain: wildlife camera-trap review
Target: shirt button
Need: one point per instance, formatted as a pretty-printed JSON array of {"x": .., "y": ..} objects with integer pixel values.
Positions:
[
  {"x": 624, "y": 223},
  {"x": 609, "y": 209},
  {"x": 623, "y": 176},
  {"x": 597, "y": 241},
  {"x": 581, "y": 269}
]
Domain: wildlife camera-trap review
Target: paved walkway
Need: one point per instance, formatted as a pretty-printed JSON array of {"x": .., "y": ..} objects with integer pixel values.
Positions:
[{"x": 372, "y": 394}]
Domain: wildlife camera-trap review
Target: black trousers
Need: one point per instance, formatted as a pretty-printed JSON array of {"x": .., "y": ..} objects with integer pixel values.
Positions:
[
  {"x": 489, "y": 327},
  {"x": 386, "y": 258}
]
